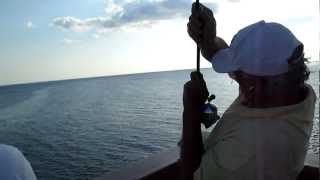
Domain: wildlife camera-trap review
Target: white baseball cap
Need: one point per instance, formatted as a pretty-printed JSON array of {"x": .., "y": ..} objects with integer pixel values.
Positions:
[{"x": 261, "y": 49}]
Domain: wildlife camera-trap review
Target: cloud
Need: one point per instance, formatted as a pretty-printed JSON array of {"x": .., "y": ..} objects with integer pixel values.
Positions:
[
  {"x": 71, "y": 23},
  {"x": 29, "y": 25},
  {"x": 300, "y": 19},
  {"x": 69, "y": 41},
  {"x": 129, "y": 13},
  {"x": 96, "y": 36}
]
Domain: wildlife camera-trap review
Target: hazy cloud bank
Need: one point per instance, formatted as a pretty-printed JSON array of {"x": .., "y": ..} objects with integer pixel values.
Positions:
[{"x": 129, "y": 13}]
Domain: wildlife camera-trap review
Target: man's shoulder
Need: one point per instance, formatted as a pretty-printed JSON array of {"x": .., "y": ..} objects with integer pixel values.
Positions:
[
  {"x": 7, "y": 151},
  {"x": 13, "y": 164}
]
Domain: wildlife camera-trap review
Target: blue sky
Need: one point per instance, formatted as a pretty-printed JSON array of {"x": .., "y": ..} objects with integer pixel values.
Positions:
[{"x": 45, "y": 40}]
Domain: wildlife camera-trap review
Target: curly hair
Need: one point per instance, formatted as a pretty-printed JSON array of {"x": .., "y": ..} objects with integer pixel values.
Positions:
[{"x": 298, "y": 71}]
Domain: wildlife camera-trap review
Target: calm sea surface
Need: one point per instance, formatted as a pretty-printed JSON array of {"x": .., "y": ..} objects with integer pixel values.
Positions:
[{"x": 80, "y": 129}]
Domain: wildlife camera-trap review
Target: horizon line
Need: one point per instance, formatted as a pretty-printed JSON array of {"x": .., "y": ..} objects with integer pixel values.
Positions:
[
  {"x": 92, "y": 77},
  {"x": 111, "y": 75}
]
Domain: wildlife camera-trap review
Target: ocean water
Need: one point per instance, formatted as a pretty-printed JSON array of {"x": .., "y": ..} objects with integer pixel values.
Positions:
[{"x": 81, "y": 129}]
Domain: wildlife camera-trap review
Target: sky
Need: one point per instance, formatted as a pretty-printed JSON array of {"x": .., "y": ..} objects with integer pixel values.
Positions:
[{"x": 44, "y": 40}]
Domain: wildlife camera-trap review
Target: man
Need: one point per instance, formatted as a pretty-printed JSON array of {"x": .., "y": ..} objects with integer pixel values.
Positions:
[
  {"x": 264, "y": 134},
  {"x": 13, "y": 164}
]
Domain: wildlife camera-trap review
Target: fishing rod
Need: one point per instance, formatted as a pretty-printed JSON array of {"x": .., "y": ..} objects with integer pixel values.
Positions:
[
  {"x": 209, "y": 111},
  {"x": 198, "y": 47}
]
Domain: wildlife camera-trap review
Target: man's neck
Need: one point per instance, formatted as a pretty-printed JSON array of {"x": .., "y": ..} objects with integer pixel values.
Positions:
[{"x": 276, "y": 100}]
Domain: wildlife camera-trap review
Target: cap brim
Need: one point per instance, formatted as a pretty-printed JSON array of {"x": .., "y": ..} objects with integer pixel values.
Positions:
[{"x": 223, "y": 61}]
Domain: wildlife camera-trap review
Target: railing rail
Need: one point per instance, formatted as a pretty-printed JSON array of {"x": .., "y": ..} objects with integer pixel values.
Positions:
[
  {"x": 165, "y": 166},
  {"x": 155, "y": 167}
]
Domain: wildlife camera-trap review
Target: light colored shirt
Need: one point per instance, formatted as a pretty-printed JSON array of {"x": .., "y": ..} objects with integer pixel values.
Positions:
[
  {"x": 258, "y": 144},
  {"x": 13, "y": 165}
]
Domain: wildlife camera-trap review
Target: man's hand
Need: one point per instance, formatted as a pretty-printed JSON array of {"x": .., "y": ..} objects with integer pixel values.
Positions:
[
  {"x": 194, "y": 95},
  {"x": 202, "y": 29},
  {"x": 195, "y": 92}
]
